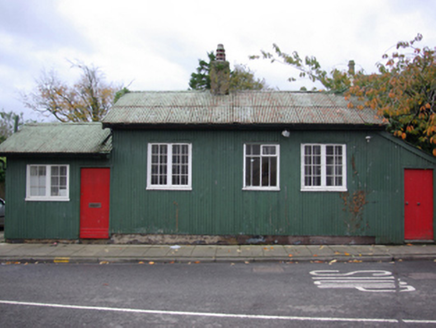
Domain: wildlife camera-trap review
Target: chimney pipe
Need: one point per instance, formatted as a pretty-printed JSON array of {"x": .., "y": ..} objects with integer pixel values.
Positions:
[
  {"x": 351, "y": 67},
  {"x": 220, "y": 73},
  {"x": 220, "y": 53}
]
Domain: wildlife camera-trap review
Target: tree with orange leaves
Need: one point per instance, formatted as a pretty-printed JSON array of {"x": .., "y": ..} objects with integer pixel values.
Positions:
[{"x": 404, "y": 93}]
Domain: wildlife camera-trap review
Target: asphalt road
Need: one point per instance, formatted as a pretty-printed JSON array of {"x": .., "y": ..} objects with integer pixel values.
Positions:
[{"x": 219, "y": 295}]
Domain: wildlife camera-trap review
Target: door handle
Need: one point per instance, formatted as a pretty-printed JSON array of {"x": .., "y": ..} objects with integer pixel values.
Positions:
[
  {"x": 418, "y": 203},
  {"x": 407, "y": 203}
]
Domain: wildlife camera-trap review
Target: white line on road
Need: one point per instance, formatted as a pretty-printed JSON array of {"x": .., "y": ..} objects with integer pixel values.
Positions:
[{"x": 211, "y": 314}]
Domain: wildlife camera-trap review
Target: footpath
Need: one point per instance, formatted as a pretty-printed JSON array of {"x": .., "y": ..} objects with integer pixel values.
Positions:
[{"x": 117, "y": 253}]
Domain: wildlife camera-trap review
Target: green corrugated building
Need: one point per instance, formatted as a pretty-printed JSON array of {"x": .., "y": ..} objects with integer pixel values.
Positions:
[{"x": 214, "y": 166}]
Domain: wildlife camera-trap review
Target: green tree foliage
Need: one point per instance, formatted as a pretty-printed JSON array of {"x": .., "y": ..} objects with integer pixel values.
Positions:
[
  {"x": 201, "y": 79},
  {"x": 336, "y": 81},
  {"x": 403, "y": 91},
  {"x": 89, "y": 99},
  {"x": 241, "y": 78},
  {"x": 10, "y": 122},
  {"x": 120, "y": 93}
]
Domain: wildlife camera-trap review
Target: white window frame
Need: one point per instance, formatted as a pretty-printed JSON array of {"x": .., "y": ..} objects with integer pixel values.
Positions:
[
  {"x": 323, "y": 186},
  {"x": 168, "y": 185},
  {"x": 277, "y": 155},
  {"x": 48, "y": 196}
]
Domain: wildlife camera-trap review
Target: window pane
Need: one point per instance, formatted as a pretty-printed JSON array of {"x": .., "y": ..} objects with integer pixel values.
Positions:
[
  {"x": 180, "y": 160},
  {"x": 185, "y": 170},
  {"x": 265, "y": 171},
  {"x": 317, "y": 170},
  {"x": 307, "y": 160},
  {"x": 159, "y": 159},
  {"x": 41, "y": 170},
  {"x": 163, "y": 169},
  {"x": 255, "y": 149},
  {"x": 176, "y": 170},
  {"x": 176, "y": 180},
  {"x": 54, "y": 191},
  {"x": 255, "y": 171},
  {"x": 307, "y": 181},
  {"x": 248, "y": 170},
  {"x": 63, "y": 170},
  {"x": 307, "y": 170},
  {"x": 268, "y": 150},
  {"x": 273, "y": 171},
  {"x": 37, "y": 180},
  {"x": 54, "y": 181},
  {"x": 58, "y": 180},
  {"x": 308, "y": 150}
]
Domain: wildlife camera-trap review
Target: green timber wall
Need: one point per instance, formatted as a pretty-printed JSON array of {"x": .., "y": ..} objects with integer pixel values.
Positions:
[
  {"x": 43, "y": 219},
  {"x": 217, "y": 205}
]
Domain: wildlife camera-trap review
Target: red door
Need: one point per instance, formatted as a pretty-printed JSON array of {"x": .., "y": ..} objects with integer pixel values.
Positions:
[
  {"x": 418, "y": 204},
  {"x": 94, "y": 203}
]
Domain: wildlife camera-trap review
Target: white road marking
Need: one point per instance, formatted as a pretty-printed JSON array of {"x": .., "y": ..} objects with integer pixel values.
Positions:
[
  {"x": 374, "y": 281},
  {"x": 336, "y": 273},
  {"x": 218, "y": 315}
]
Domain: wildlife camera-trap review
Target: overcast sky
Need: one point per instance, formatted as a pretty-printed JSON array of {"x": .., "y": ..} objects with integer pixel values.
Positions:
[{"x": 155, "y": 45}]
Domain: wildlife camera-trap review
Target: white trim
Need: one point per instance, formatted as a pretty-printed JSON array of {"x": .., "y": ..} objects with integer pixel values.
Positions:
[
  {"x": 323, "y": 186},
  {"x": 169, "y": 185},
  {"x": 277, "y": 155},
  {"x": 262, "y": 188},
  {"x": 47, "y": 197}
]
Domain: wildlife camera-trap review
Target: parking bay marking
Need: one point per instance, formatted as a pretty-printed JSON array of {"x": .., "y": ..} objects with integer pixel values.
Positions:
[{"x": 375, "y": 281}]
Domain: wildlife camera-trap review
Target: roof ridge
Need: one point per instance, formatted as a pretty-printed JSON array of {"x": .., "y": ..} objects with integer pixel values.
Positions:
[{"x": 62, "y": 123}]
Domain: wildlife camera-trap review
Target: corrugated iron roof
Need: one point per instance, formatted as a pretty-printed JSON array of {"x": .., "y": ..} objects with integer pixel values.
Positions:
[
  {"x": 243, "y": 107},
  {"x": 67, "y": 138}
]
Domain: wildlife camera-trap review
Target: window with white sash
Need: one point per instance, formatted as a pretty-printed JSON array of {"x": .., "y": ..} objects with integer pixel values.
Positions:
[
  {"x": 261, "y": 167},
  {"x": 323, "y": 167},
  {"x": 47, "y": 183},
  {"x": 169, "y": 166}
]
